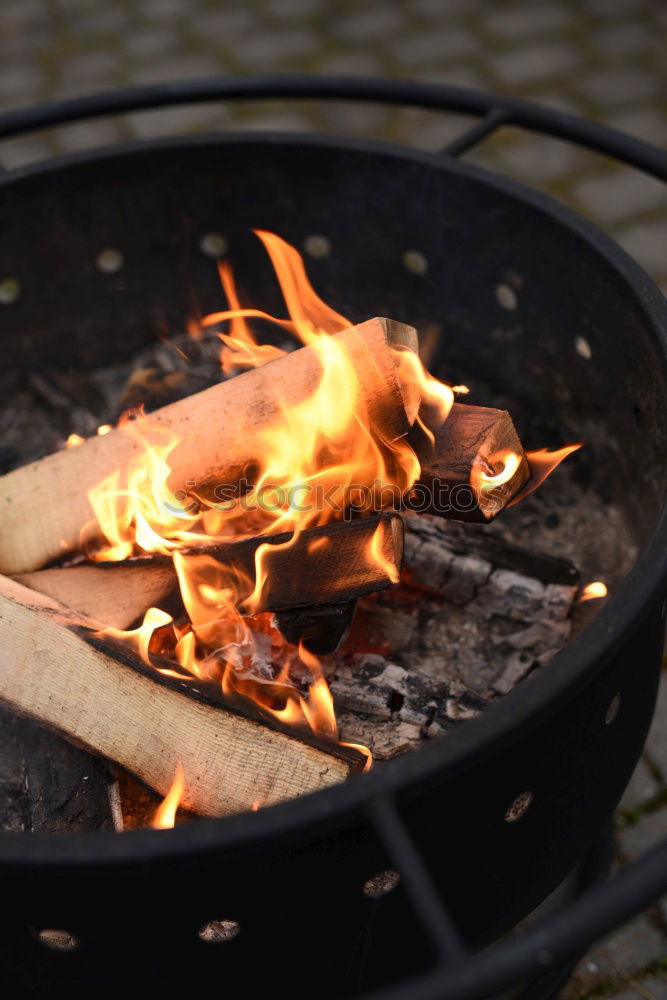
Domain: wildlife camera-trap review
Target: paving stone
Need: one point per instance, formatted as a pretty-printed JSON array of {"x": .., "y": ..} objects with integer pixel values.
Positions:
[
  {"x": 361, "y": 62},
  {"x": 98, "y": 21},
  {"x": 646, "y": 123},
  {"x": 225, "y": 26},
  {"x": 97, "y": 66},
  {"x": 641, "y": 788},
  {"x": 538, "y": 160},
  {"x": 656, "y": 745},
  {"x": 647, "y": 243},
  {"x": 19, "y": 84},
  {"x": 23, "y": 13},
  {"x": 618, "y": 86},
  {"x": 532, "y": 62},
  {"x": 612, "y": 8},
  {"x": 620, "y": 194},
  {"x": 19, "y": 152},
  {"x": 370, "y": 24},
  {"x": 634, "y": 946},
  {"x": 525, "y": 20},
  {"x": 161, "y": 9},
  {"x": 185, "y": 67},
  {"x": 459, "y": 76},
  {"x": 435, "y": 132},
  {"x": 274, "y": 48},
  {"x": 175, "y": 121},
  {"x": 292, "y": 8},
  {"x": 149, "y": 41},
  {"x": 428, "y": 46},
  {"x": 640, "y": 837},
  {"x": 87, "y": 135},
  {"x": 650, "y": 988},
  {"x": 623, "y": 39}
]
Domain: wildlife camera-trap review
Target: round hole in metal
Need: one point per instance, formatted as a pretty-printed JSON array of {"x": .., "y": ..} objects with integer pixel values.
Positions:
[
  {"x": 317, "y": 246},
  {"x": 214, "y": 245},
  {"x": 380, "y": 884},
  {"x": 612, "y": 709},
  {"x": 583, "y": 348},
  {"x": 506, "y": 296},
  {"x": 415, "y": 262},
  {"x": 109, "y": 260},
  {"x": 519, "y": 807},
  {"x": 10, "y": 291},
  {"x": 218, "y": 931},
  {"x": 58, "y": 940}
]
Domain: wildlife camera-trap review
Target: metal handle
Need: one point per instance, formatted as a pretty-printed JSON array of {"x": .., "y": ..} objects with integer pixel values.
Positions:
[
  {"x": 553, "y": 941},
  {"x": 495, "y": 110}
]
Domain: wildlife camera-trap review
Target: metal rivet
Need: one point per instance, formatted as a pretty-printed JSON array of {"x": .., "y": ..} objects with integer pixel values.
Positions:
[
  {"x": 612, "y": 710},
  {"x": 415, "y": 262},
  {"x": 317, "y": 246},
  {"x": 213, "y": 245},
  {"x": 58, "y": 940},
  {"x": 518, "y": 807},
  {"x": 583, "y": 348},
  {"x": 217, "y": 931},
  {"x": 380, "y": 884},
  {"x": 10, "y": 291},
  {"x": 506, "y": 297},
  {"x": 109, "y": 260}
]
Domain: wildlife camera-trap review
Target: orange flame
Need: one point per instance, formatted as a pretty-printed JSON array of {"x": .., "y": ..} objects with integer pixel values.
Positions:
[
  {"x": 323, "y": 445},
  {"x": 165, "y": 814},
  {"x": 542, "y": 463},
  {"x": 592, "y": 590}
]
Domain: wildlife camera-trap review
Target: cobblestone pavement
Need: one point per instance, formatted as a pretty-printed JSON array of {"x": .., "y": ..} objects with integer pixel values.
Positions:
[{"x": 601, "y": 58}]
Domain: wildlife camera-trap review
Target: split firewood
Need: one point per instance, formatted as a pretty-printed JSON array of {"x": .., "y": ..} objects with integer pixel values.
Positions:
[
  {"x": 472, "y": 440},
  {"x": 49, "y": 786},
  {"x": 330, "y": 563},
  {"x": 55, "y": 669},
  {"x": 45, "y": 505}
]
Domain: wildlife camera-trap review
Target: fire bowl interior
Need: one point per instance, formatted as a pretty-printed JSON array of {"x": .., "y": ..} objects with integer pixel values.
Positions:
[{"x": 532, "y": 308}]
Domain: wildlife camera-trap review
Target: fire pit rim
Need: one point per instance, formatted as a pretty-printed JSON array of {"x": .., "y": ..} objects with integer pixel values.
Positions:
[{"x": 527, "y": 705}]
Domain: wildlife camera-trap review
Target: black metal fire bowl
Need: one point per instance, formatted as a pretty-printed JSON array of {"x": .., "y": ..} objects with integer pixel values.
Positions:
[{"x": 292, "y": 875}]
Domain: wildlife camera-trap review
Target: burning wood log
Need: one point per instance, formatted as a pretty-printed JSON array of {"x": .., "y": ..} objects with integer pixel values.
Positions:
[
  {"x": 475, "y": 467},
  {"x": 332, "y": 562},
  {"x": 54, "y": 668},
  {"x": 45, "y": 505}
]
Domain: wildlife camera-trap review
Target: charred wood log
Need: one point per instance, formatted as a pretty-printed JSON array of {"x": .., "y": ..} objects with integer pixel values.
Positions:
[
  {"x": 326, "y": 565},
  {"x": 220, "y": 432},
  {"x": 54, "y": 668},
  {"x": 49, "y": 786}
]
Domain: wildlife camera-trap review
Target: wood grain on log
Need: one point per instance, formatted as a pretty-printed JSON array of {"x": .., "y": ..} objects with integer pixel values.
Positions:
[
  {"x": 323, "y": 564},
  {"x": 54, "y": 669},
  {"x": 472, "y": 437},
  {"x": 44, "y": 506}
]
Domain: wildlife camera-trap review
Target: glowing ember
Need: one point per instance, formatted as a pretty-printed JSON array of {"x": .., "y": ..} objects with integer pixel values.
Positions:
[
  {"x": 593, "y": 590},
  {"x": 165, "y": 814}
]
